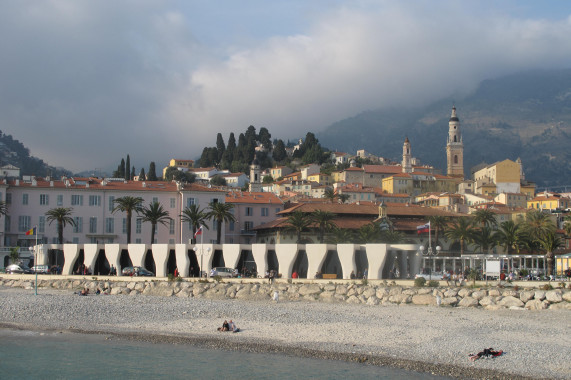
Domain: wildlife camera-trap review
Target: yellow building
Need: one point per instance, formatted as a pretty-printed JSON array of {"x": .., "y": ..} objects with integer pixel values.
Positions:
[
  {"x": 320, "y": 178},
  {"x": 416, "y": 183},
  {"x": 180, "y": 164},
  {"x": 502, "y": 177},
  {"x": 549, "y": 202},
  {"x": 280, "y": 172}
]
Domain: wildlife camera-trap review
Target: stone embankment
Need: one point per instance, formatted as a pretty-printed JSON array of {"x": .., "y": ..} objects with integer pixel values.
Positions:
[{"x": 490, "y": 298}]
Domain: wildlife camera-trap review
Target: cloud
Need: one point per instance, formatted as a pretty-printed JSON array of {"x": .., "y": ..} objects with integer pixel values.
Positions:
[{"x": 85, "y": 83}]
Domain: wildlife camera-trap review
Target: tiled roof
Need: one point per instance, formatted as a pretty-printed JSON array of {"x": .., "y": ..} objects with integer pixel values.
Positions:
[
  {"x": 382, "y": 169},
  {"x": 254, "y": 197}
]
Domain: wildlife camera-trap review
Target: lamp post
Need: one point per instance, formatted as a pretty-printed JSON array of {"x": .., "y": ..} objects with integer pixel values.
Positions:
[
  {"x": 430, "y": 253},
  {"x": 196, "y": 249}
]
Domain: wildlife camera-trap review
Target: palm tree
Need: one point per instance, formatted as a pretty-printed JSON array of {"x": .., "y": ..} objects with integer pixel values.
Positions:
[
  {"x": 439, "y": 223},
  {"x": 195, "y": 216},
  {"x": 484, "y": 238},
  {"x": 537, "y": 225},
  {"x": 324, "y": 221},
  {"x": 299, "y": 222},
  {"x": 154, "y": 214},
  {"x": 220, "y": 212},
  {"x": 462, "y": 231},
  {"x": 343, "y": 197},
  {"x": 62, "y": 216},
  {"x": 15, "y": 255},
  {"x": 509, "y": 236},
  {"x": 391, "y": 237},
  {"x": 128, "y": 204},
  {"x": 341, "y": 236},
  {"x": 550, "y": 242},
  {"x": 369, "y": 233},
  {"x": 329, "y": 194},
  {"x": 485, "y": 218}
]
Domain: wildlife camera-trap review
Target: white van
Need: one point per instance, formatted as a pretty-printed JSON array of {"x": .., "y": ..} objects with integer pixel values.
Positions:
[{"x": 223, "y": 272}]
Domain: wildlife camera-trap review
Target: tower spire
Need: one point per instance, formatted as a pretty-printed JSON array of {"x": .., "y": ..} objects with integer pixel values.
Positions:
[{"x": 454, "y": 147}]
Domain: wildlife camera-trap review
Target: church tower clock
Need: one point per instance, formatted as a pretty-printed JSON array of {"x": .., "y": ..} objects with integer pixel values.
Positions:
[{"x": 455, "y": 147}]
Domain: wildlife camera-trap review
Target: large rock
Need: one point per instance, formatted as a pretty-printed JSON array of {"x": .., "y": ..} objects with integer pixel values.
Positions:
[
  {"x": 464, "y": 292},
  {"x": 400, "y": 298},
  {"x": 510, "y": 293},
  {"x": 539, "y": 294},
  {"x": 353, "y": 299},
  {"x": 449, "y": 301},
  {"x": 450, "y": 293},
  {"x": 369, "y": 292},
  {"x": 536, "y": 304},
  {"x": 423, "y": 299},
  {"x": 479, "y": 294},
  {"x": 554, "y": 296},
  {"x": 341, "y": 290},
  {"x": 395, "y": 290},
  {"x": 566, "y": 296},
  {"x": 487, "y": 301},
  {"x": 560, "y": 306},
  {"x": 494, "y": 293},
  {"x": 468, "y": 302},
  {"x": 382, "y": 293},
  {"x": 511, "y": 301},
  {"x": 526, "y": 295},
  {"x": 309, "y": 289},
  {"x": 373, "y": 301}
]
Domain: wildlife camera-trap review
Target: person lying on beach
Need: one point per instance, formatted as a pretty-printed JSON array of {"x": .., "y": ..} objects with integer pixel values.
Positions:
[
  {"x": 84, "y": 292},
  {"x": 488, "y": 352}
]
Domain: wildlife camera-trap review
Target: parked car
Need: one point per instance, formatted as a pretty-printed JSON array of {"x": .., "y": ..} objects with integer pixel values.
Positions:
[
  {"x": 137, "y": 271},
  {"x": 18, "y": 269},
  {"x": 223, "y": 272},
  {"x": 427, "y": 276},
  {"x": 41, "y": 269}
]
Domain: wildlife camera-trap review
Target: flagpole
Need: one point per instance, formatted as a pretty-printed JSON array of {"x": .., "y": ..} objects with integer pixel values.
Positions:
[
  {"x": 201, "y": 249},
  {"x": 36, "y": 257}
]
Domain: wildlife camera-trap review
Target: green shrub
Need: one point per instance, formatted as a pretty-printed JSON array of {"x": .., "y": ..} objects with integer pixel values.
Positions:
[
  {"x": 170, "y": 277},
  {"x": 364, "y": 282},
  {"x": 433, "y": 284},
  {"x": 217, "y": 278},
  {"x": 547, "y": 287},
  {"x": 419, "y": 282}
]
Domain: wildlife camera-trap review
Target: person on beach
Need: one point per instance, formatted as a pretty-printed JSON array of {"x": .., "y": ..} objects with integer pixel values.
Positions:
[
  {"x": 84, "y": 292},
  {"x": 488, "y": 352},
  {"x": 232, "y": 327},
  {"x": 294, "y": 275},
  {"x": 225, "y": 326},
  {"x": 176, "y": 274},
  {"x": 352, "y": 275}
]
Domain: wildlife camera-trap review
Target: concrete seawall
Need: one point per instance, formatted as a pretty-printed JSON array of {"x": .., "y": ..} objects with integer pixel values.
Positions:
[{"x": 528, "y": 295}]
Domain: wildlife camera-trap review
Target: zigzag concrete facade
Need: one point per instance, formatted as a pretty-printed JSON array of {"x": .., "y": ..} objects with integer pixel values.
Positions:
[{"x": 380, "y": 258}]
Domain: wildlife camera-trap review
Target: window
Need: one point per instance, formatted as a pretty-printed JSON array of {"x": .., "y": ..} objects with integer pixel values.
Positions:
[
  {"x": 75, "y": 240},
  {"x": 93, "y": 225},
  {"x": 248, "y": 225},
  {"x": 44, "y": 199},
  {"x": 138, "y": 226},
  {"x": 8, "y": 198},
  {"x": 265, "y": 211},
  {"x": 111, "y": 203},
  {"x": 7, "y": 223},
  {"x": 60, "y": 200},
  {"x": 214, "y": 200},
  {"x": 42, "y": 224},
  {"x": 78, "y": 228},
  {"x": 138, "y": 240},
  {"x": 109, "y": 225},
  {"x": 278, "y": 210},
  {"x": 249, "y": 211},
  {"x": 190, "y": 202},
  {"x": 95, "y": 200},
  {"x": 24, "y": 199},
  {"x": 24, "y": 223},
  {"x": 124, "y": 225},
  {"x": 171, "y": 241},
  {"x": 77, "y": 200},
  {"x": 171, "y": 227},
  {"x": 173, "y": 202},
  {"x": 155, "y": 200},
  {"x": 231, "y": 226}
]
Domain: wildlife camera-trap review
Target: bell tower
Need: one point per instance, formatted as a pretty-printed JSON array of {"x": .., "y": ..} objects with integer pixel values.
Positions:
[
  {"x": 454, "y": 147},
  {"x": 406, "y": 157}
]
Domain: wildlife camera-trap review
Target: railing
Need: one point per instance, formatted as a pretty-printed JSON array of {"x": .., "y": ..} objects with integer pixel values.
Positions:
[{"x": 248, "y": 232}]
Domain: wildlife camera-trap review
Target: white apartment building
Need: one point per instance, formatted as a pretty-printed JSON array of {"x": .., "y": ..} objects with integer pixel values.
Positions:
[{"x": 92, "y": 201}]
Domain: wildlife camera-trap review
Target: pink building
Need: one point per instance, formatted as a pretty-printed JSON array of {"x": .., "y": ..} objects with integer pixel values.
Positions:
[{"x": 92, "y": 202}]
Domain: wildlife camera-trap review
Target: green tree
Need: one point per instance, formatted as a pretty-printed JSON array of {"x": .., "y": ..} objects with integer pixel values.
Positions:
[
  {"x": 152, "y": 174},
  {"x": 62, "y": 216},
  {"x": 15, "y": 255},
  {"x": 219, "y": 213},
  {"x": 218, "y": 180},
  {"x": 228, "y": 155},
  {"x": 299, "y": 222},
  {"x": 267, "y": 179},
  {"x": 485, "y": 218},
  {"x": 265, "y": 138},
  {"x": 128, "y": 204},
  {"x": 484, "y": 239},
  {"x": 142, "y": 176},
  {"x": 537, "y": 225},
  {"x": 550, "y": 242},
  {"x": 391, "y": 237},
  {"x": 133, "y": 173},
  {"x": 329, "y": 194},
  {"x": 250, "y": 134},
  {"x": 439, "y": 223},
  {"x": 155, "y": 214},
  {"x": 324, "y": 222},
  {"x": 279, "y": 153},
  {"x": 195, "y": 217},
  {"x": 343, "y": 197},
  {"x": 341, "y": 236},
  {"x": 127, "y": 169},
  {"x": 462, "y": 231},
  {"x": 172, "y": 173},
  {"x": 220, "y": 147},
  {"x": 509, "y": 236},
  {"x": 369, "y": 233}
]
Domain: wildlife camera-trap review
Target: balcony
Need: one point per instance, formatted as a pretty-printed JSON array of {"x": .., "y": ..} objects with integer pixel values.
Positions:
[{"x": 247, "y": 232}]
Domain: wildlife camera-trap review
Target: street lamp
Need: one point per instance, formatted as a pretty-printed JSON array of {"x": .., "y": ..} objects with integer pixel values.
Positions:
[{"x": 430, "y": 253}]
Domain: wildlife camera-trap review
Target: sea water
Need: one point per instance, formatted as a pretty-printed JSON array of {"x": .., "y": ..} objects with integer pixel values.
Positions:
[{"x": 51, "y": 355}]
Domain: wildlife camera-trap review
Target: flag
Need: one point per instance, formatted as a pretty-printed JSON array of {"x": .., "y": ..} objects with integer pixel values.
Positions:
[
  {"x": 31, "y": 232},
  {"x": 198, "y": 232},
  {"x": 424, "y": 228}
]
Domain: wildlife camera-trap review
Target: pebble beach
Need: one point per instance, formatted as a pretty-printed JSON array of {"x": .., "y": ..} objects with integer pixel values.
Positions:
[{"x": 421, "y": 338}]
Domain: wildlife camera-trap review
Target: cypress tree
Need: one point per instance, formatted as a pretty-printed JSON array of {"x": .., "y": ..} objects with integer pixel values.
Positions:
[
  {"x": 220, "y": 147},
  {"x": 142, "y": 176},
  {"x": 122, "y": 169},
  {"x": 279, "y": 154},
  {"x": 132, "y": 173},
  {"x": 128, "y": 168},
  {"x": 152, "y": 176}
]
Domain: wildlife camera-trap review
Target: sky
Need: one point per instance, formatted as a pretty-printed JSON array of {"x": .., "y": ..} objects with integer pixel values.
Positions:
[{"x": 84, "y": 83}]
